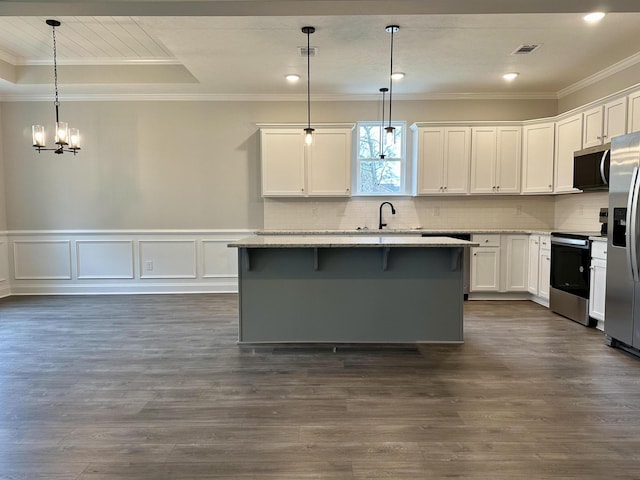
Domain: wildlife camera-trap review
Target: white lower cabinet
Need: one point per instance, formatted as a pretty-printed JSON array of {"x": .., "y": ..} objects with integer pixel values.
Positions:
[
  {"x": 539, "y": 265},
  {"x": 598, "y": 282},
  {"x": 499, "y": 264}
]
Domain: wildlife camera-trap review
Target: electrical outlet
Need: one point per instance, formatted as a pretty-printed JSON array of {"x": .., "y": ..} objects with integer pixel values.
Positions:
[
  {"x": 436, "y": 211},
  {"x": 518, "y": 209},
  {"x": 149, "y": 265}
]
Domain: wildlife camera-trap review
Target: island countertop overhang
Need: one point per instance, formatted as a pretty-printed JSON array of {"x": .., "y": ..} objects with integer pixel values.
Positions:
[{"x": 335, "y": 241}]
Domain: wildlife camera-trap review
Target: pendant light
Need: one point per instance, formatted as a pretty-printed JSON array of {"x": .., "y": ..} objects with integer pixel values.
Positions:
[
  {"x": 390, "y": 131},
  {"x": 308, "y": 132},
  {"x": 381, "y": 142},
  {"x": 65, "y": 136}
]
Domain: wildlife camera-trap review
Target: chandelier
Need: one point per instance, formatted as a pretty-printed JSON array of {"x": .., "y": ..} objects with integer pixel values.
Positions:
[{"x": 67, "y": 139}]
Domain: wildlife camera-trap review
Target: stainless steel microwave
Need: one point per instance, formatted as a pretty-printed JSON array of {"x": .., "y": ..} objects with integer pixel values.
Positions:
[{"x": 591, "y": 168}]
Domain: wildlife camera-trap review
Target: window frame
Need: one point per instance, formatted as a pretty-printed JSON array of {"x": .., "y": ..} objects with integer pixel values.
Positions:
[{"x": 404, "y": 173}]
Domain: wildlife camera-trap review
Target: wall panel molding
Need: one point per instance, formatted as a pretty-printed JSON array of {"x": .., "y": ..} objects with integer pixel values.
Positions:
[
  {"x": 68, "y": 262},
  {"x": 42, "y": 260}
]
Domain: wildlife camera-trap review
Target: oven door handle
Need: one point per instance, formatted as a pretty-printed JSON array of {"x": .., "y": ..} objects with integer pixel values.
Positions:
[{"x": 632, "y": 225}]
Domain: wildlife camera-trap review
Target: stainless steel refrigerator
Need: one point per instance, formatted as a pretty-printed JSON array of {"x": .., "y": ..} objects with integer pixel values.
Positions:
[{"x": 622, "y": 308}]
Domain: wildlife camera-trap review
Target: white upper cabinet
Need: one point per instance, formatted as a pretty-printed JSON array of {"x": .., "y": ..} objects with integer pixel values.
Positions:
[
  {"x": 604, "y": 122},
  {"x": 283, "y": 162},
  {"x": 442, "y": 160},
  {"x": 633, "y": 123},
  {"x": 615, "y": 119},
  {"x": 290, "y": 168},
  {"x": 495, "y": 160},
  {"x": 329, "y": 163},
  {"x": 537, "y": 158},
  {"x": 568, "y": 140}
]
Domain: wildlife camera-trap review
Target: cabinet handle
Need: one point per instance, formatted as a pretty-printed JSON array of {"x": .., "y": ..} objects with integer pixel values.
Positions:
[
  {"x": 599, "y": 138},
  {"x": 445, "y": 188},
  {"x": 498, "y": 187},
  {"x": 535, "y": 242},
  {"x": 347, "y": 189},
  {"x": 549, "y": 186},
  {"x": 475, "y": 254},
  {"x": 302, "y": 189}
]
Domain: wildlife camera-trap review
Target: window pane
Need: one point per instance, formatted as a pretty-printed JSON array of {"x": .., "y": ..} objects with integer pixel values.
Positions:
[
  {"x": 369, "y": 141},
  {"x": 380, "y": 176}
]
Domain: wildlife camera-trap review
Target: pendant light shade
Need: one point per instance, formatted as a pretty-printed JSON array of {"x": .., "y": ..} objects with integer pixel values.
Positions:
[
  {"x": 308, "y": 132},
  {"x": 64, "y": 136},
  {"x": 390, "y": 130},
  {"x": 381, "y": 140}
]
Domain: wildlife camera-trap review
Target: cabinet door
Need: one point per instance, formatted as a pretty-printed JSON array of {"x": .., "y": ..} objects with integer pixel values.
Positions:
[
  {"x": 592, "y": 131},
  {"x": 508, "y": 160},
  {"x": 634, "y": 113},
  {"x": 483, "y": 160},
  {"x": 485, "y": 269},
  {"x": 430, "y": 161},
  {"x": 283, "y": 162},
  {"x": 615, "y": 119},
  {"x": 516, "y": 261},
  {"x": 537, "y": 158},
  {"x": 534, "y": 262},
  {"x": 568, "y": 140},
  {"x": 329, "y": 163},
  {"x": 457, "y": 153},
  {"x": 597, "y": 289},
  {"x": 545, "y": 274}
]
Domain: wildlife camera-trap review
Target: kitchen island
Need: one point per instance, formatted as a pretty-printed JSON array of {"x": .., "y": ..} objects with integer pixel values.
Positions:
[{"x": 350, "y": 289}]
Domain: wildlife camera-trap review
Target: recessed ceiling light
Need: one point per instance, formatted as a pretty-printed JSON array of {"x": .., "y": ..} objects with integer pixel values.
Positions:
[
  {"x": 292, "y": 77},
  {"x": 397, "y": 75},
  {"x": 594, "y": 17},
  {"x": 510, "y": 76}
]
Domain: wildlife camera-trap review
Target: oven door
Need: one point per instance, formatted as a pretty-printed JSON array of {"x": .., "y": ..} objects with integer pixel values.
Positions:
[{"x": 570, "y": 260}]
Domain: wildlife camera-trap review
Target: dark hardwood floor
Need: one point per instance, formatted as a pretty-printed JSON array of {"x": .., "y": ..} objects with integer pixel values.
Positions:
[{"x": 155, "y": 387}]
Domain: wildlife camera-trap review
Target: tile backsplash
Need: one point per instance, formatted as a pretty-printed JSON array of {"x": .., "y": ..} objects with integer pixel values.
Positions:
[
  {"x": 503, "y": 212},
  {"x": 580, "y": 211}
]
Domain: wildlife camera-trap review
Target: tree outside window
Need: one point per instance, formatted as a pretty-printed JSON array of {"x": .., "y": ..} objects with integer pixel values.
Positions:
[{"x": 377, "y": 176}]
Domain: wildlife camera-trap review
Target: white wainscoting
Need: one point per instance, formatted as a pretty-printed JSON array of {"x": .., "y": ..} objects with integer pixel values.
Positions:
[
  {"x": 119, "y": 262},
  {"x": 5, "y": 286}
]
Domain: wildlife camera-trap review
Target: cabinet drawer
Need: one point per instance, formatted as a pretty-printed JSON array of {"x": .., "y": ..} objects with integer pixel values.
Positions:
[
  {"x": 486, "y": 240},
  {"x": 599, "y": 250}
]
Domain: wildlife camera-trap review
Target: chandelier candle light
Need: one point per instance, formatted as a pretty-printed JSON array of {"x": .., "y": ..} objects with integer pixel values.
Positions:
[
  {"x": 65, "y": 136},
  {"x": 391, "y": 137},
  {"x": 308, "y": 132}
]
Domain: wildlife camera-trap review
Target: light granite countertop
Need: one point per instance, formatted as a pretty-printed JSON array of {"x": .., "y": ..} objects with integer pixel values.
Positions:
[
  {"x": 334, "y": 241},
  {"x": 598, "y": 239}
]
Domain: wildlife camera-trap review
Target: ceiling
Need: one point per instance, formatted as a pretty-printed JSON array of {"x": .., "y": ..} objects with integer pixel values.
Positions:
[{"x": 244, "y": 48}]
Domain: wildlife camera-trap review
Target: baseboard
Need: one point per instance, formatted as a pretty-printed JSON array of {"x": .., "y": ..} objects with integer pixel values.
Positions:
[
  {"x": 223, "y": 286},
  {"x": 500, "y": 296},
  {"x": 5, "y": 292},
  {"x": 540, "y": 301}
]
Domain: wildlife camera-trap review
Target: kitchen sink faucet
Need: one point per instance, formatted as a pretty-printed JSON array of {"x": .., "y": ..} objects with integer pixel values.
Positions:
[{"x": 393, "y": 212}]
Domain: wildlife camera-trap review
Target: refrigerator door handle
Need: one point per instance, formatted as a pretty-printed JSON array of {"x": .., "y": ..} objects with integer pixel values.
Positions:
[
  {"x": 602, "y": 161},
  {"x": 632, "y": 222}
]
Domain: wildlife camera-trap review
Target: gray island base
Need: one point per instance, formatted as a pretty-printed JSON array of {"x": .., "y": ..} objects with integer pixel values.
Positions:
[{"x": 315, "y": 289}]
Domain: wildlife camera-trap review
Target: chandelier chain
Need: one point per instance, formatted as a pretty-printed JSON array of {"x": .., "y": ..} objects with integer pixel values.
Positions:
[
  {"x": 55, "y": 67},
  {"x": 390, "y": 76}
]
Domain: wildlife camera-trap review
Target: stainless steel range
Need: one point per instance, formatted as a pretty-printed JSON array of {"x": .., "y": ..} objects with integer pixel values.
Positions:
[{"x": 570, "y": 275}]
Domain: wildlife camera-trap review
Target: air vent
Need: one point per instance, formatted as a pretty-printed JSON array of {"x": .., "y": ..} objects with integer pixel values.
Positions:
[
  {"x": 526, "y": 49},
  {"x": 313, "y": 51}
]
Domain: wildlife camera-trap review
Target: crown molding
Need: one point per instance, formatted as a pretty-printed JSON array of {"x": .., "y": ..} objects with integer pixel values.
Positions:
[
  {"x": 601, "y": 75},
  {"x": 99, "y": 61},
  {"x": 214, "y": 97}
]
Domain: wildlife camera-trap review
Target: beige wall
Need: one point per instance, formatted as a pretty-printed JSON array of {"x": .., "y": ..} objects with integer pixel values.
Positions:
[
  {"x": 615, "y": 83},
  {"x": 3, "y": 210},
  {"x": 175, "y": 165}
]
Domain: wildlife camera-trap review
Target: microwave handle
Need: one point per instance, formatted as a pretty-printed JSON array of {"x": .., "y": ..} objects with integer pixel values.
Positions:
[{"x": 604, "y": 157}]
